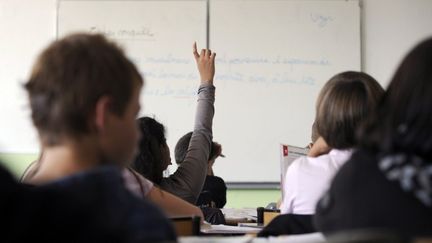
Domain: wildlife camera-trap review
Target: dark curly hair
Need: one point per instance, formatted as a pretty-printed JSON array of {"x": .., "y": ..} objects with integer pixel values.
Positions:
[{"x": 149, "y": 159}]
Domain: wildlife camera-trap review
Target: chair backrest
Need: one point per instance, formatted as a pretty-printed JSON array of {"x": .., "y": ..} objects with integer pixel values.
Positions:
[
  {"x": 265, "y": 216},
  {"x": 187, "y": 226},
  {"x": 269, "y": 216}
]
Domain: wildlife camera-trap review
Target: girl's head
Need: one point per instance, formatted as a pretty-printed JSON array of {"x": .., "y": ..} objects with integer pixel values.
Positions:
[
  {"x": 343, "y": 103},
  {"x": 402, "y": 122},
  {"x": 154, "y": 155}
]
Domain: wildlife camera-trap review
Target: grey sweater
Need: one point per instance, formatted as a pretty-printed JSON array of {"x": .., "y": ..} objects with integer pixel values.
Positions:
[{"x": 188, "y": 180}]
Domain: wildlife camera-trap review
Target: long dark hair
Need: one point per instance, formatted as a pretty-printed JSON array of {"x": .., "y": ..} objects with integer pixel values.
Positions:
[
  {"x": 403, "y": 119},
  {"x": 149, "y": 159}
]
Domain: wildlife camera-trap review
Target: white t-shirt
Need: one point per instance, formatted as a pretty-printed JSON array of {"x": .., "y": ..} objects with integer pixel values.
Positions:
[
  {"x": 308, "y": 178},
  {"x": 136, "y": 183}
]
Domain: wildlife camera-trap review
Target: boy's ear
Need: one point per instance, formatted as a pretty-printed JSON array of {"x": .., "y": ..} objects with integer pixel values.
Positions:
[{"x": 102, "y": 113}]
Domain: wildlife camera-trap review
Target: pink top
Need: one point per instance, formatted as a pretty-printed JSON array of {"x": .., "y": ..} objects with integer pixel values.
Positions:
[{"x": 136, "y": 183}]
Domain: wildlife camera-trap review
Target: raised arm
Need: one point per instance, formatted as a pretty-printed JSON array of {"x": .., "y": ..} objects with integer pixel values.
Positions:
[{"x": 188, "y": 180}]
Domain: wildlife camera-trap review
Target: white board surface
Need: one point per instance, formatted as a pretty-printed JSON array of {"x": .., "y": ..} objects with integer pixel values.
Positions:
[
  {"x": 26, "y": 26},
  {"x": 158, "y": 37},
  {"x": 273, "y": 58}
]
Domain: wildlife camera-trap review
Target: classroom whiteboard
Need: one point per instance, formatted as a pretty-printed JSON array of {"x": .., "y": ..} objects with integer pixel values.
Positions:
[
  {"x": 157, "y": 36},
  {"x": 26, "y": 27},
  {"x": 273, "y": 57}
]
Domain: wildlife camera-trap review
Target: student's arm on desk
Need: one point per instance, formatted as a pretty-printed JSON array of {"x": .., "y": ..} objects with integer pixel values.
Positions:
[{"x": 172, "y": 205}]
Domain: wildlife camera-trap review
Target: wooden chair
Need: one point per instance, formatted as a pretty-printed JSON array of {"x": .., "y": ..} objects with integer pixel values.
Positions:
[{"x": 187, "y": 226}]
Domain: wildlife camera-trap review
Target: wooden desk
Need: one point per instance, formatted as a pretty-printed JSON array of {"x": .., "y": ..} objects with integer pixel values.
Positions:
[
  {"x": 228, "y": 230},
  {"x": 237, "y": 221},
  {"x": 234, "y": 216}
]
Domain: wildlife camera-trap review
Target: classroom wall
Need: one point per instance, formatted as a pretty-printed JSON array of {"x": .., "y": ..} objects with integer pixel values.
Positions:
[{"x": 389, "y": 29}]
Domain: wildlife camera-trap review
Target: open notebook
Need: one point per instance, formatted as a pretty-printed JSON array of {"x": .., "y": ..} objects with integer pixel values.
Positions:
[{"x": 288, "y": 154}]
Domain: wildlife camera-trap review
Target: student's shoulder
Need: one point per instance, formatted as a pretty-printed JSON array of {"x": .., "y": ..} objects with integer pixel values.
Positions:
[
  {"x": 214, "y": 180},
  {"x": 361, "y": 161},
  {"x": 102, "y": 179},
  {"x": 102, "y": 192},
  {"x": 302, "y": 163},
  {"x": 298, "y": 168},
  {"x": 135, "y": 182},
  {"x": 351, "y": 176}
]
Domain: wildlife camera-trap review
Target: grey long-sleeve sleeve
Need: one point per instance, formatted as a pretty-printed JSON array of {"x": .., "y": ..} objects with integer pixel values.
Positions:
[{"x": 188, "y": 180}]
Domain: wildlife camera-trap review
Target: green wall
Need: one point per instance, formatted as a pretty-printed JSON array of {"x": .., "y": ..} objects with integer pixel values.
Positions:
[
  {"x": 236, "y": 198},
  {"x": 251, "y": 198},
  {"x": 17, "y": 163}
]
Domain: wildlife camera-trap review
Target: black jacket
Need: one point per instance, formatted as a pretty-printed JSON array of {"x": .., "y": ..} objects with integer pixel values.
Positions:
[
  {"x": 360, "y": 197},
  {"x": 90, "y": 207},
  {"x": 214, "y": 191}
]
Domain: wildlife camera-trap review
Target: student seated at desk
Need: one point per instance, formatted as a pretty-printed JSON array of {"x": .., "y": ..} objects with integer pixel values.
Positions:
[
  {"x": 387, "y": 183},
  {"x": 343, "y": 103},
  {"x": 84, "y": 97},
  {"x": 154, "y": 154},
  {"x": 214, "y": 190},
  {"x": 91, "y": 206}
]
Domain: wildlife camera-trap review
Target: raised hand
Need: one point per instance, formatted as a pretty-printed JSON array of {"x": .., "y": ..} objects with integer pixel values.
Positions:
[{"x": 205, "y": 63}]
